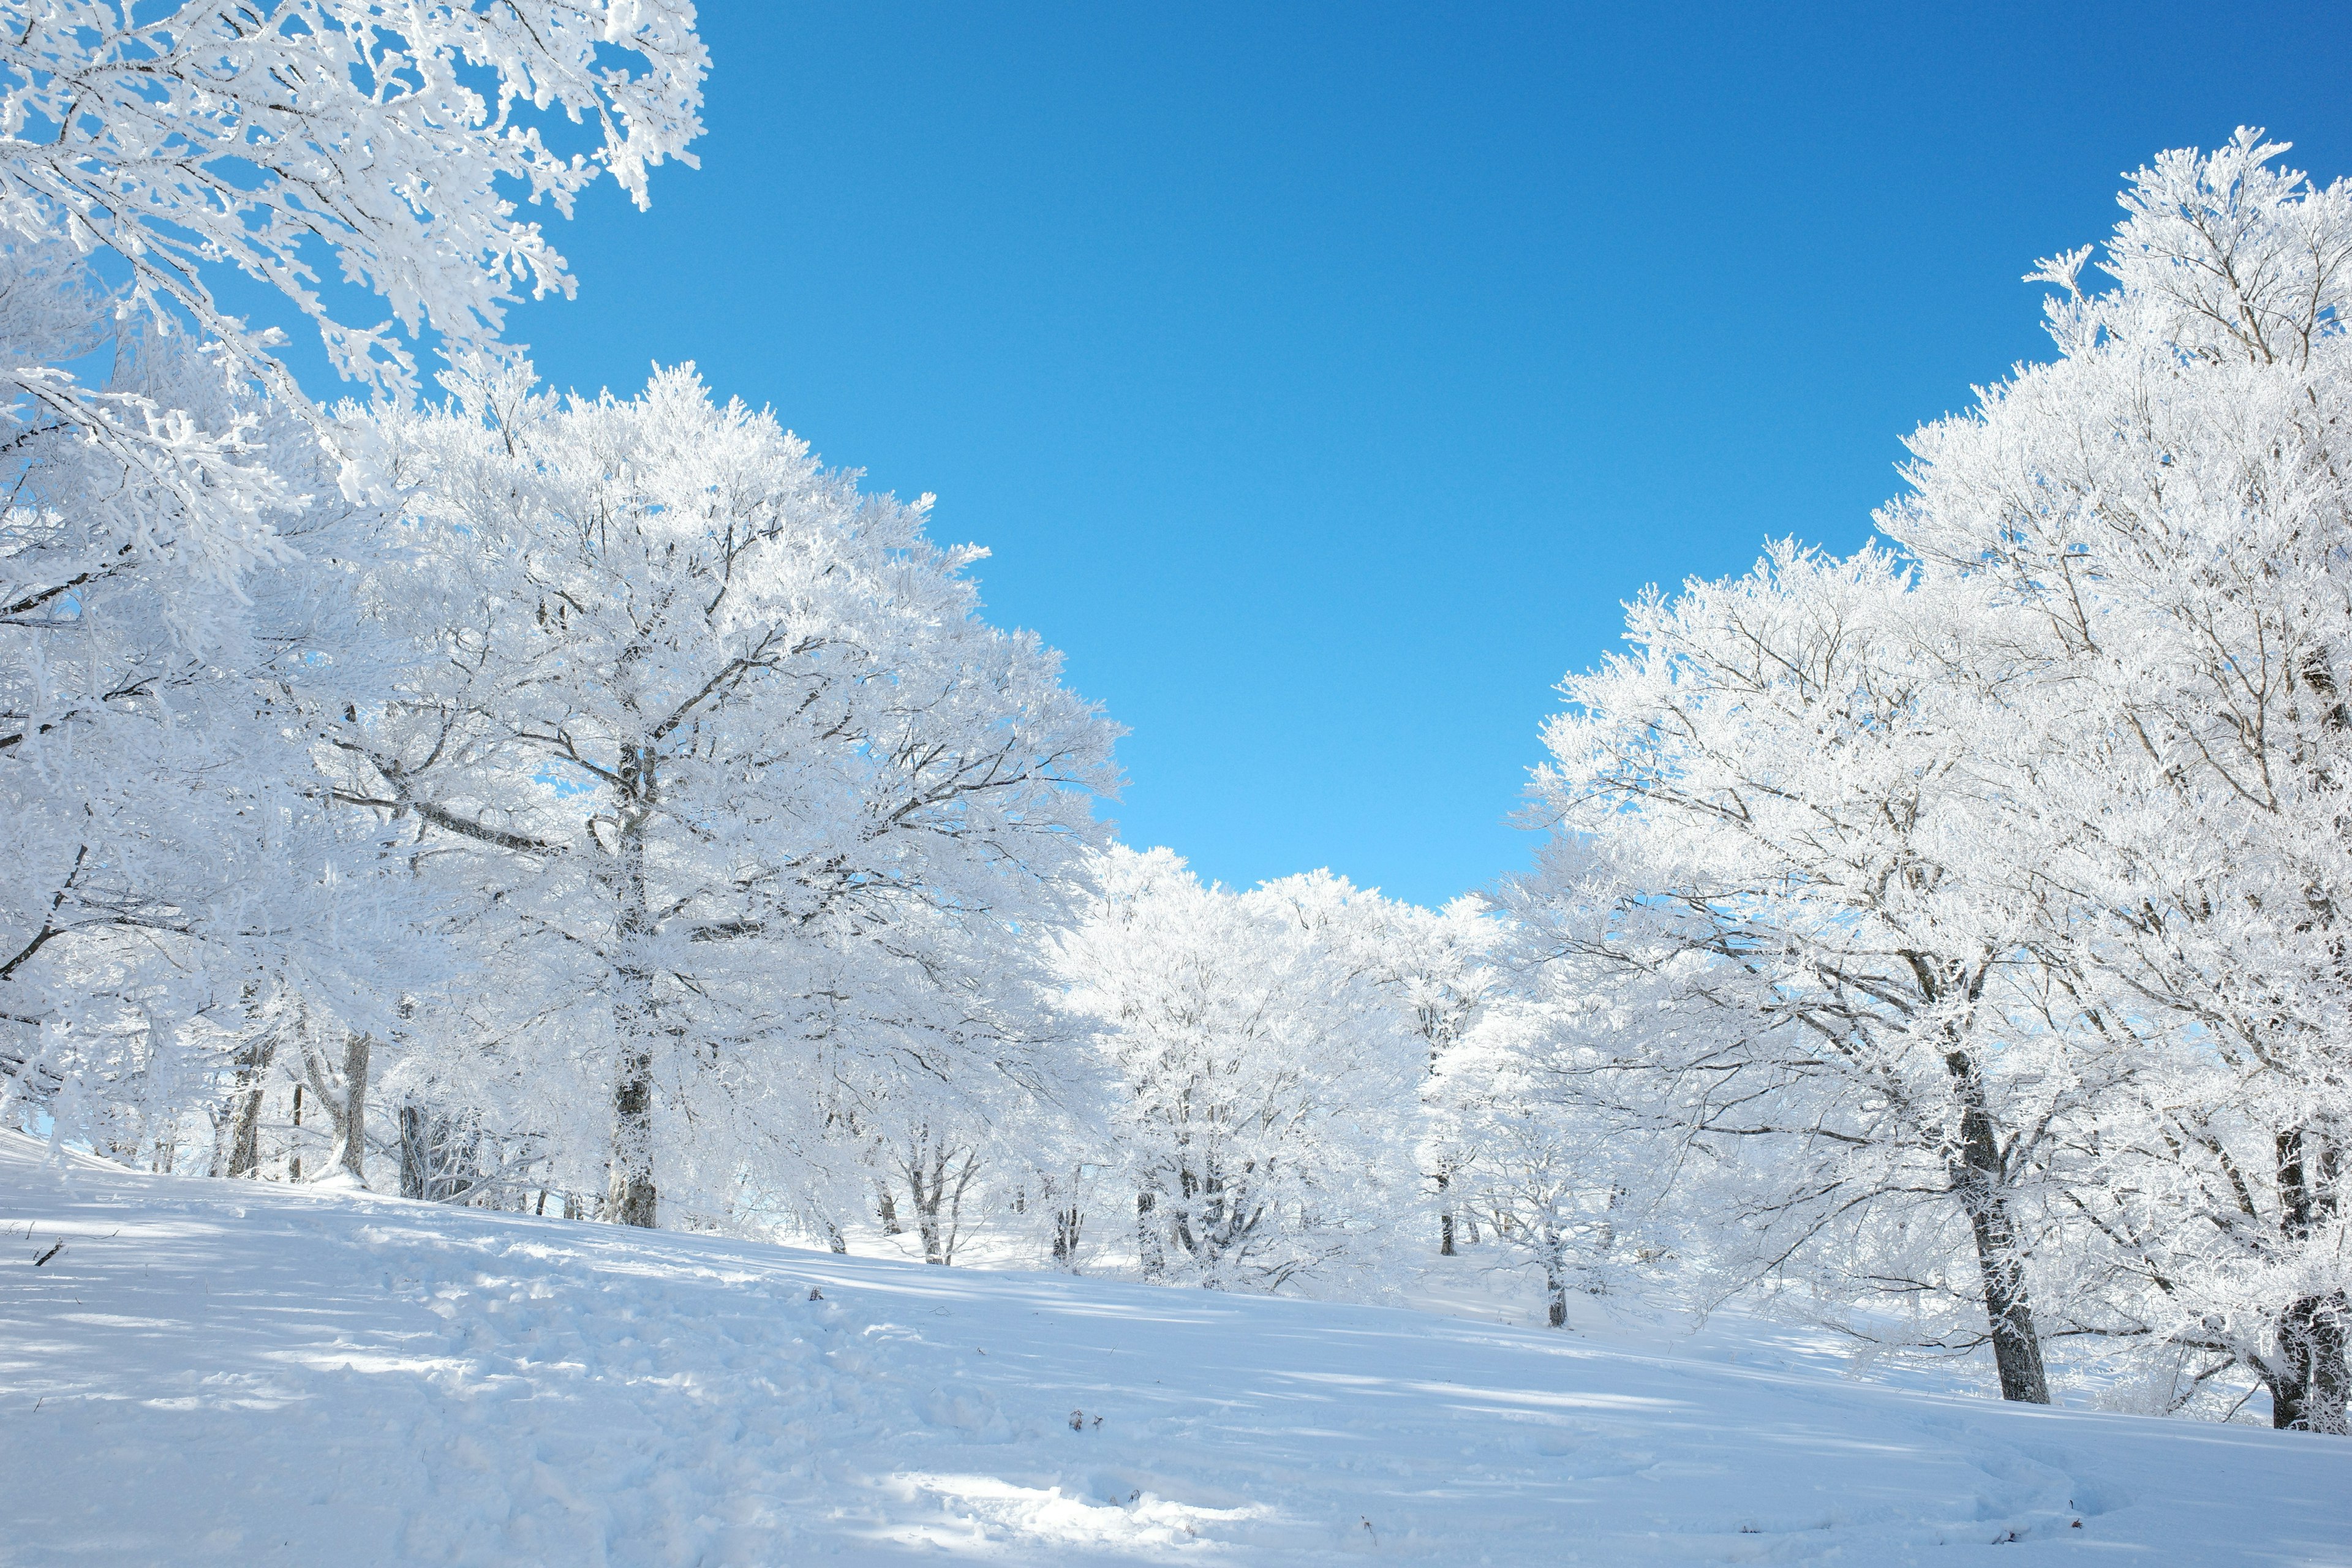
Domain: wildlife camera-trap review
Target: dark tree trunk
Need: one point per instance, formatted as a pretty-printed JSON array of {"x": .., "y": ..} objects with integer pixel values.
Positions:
[
  {"x": 630, "y": 1198},
  {"x": 1148, "y": 1248},
  {"x": 415, "y": 1153},
  {"x": 926, "y": 1181},
  {"x": 1555, "y": 1262},
  {"x": 2307, "y": 1386},
  {"x": 2310, "y": 1391},
  {"x": 2016, "y": 1344},
  {"x": 1068, "y": 1223},
  {"x": 938, "y": 1182},
  {"x": 245, "y": 1139},
  {"x": 357, "y": 1050},
  {"x": 1980, "y": 1182}
]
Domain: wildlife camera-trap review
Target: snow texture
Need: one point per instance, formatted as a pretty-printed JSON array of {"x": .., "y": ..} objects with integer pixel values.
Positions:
[{"x": 207, "y": 1372}]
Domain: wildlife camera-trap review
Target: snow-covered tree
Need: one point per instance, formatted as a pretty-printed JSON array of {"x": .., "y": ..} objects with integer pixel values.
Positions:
[
  {"x": 1438, "y": 966},
  {"x": 173, "y": 597},
  {"x": 1265, "y": 1081},
  {"x": 747, "y": 778},
  {"x": 1526, "y": 1174},
  {"x": 2164, "y": 511},
  {"x": 1778, "y": 829},
  {"x": 166, "y": 865},
  {"x": 2017, "y": 858},
  {"x": 176, "y": 138}
]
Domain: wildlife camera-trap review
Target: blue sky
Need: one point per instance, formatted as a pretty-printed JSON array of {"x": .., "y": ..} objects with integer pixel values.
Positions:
[{"x": 1324, "y": 377}]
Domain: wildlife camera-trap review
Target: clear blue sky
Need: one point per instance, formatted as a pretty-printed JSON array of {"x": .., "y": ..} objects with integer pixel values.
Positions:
[{"x": 1324, "y": 377}]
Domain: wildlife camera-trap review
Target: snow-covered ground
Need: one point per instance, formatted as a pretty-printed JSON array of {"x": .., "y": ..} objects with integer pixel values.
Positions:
[{"x": 249, "y": 1374}]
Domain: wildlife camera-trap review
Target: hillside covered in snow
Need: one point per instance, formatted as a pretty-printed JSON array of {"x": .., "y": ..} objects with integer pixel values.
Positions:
[{"x": 200, "y": 1371}]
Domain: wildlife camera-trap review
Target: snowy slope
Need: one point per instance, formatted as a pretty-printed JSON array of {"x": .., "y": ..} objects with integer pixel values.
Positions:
[{"x": 247, "y": 1374}]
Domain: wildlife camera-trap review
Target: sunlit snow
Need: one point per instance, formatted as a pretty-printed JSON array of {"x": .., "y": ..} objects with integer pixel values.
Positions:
[{"x": 248, "y": 1373}]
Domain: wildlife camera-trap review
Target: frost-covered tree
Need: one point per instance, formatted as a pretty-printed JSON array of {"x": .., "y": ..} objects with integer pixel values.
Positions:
[
  {"x": 1437, "y": 965},
  {"x": 1432, "y": 969},
  {"x": 176, "y": 138},
  {"x": 745, "y": 775},
  {"x": 1779, "y": 830},
  {"x": 1529, "y": 1165},
  {"x": 2163, "y": 510},
  {"x": 165, "y": 857},
  {"x": 1264, "y": 1081},
  {"x": 2021, "y": 854},
  {"x": 173, "y": 605},
  {"x": 1012, "y": 1156}
]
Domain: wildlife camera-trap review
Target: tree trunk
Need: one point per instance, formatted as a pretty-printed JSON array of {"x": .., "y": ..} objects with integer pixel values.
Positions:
[
  {"x": 357, "y": 1048},
  {"x": 244, "y": 1139},
  {"x": 938, "y": 1182},
  {"x": 2310, "y": 1391},
  {"x": 928, "y": 1186},
  {"x": 1605, "y": 1237},
  {"x": 2016, "y": 1344},
  {"x": 1444, "y": 1216},
  {"x": 346, "y": 1106},
  {"x": 952, "y": 1232},
  {"x": 1147, "y": 1239},
  {"x": 1980, "y": 1180},
  {"x": 631, "y": 1197},
  {"x": 2307, "y": 1386},
  {"x": 1555, "y": 1278},
  {"x": 415, "y": 1153}
]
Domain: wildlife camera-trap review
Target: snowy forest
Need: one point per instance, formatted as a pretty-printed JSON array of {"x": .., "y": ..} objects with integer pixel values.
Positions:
[{"x": 601, "y": 806}]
